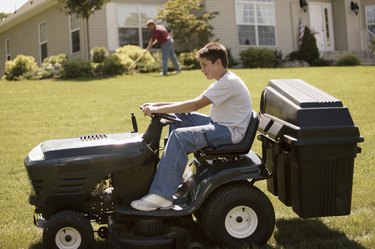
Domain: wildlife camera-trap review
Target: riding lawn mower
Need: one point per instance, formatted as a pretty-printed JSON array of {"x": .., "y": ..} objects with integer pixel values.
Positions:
[{"x": 308, "y": 142}]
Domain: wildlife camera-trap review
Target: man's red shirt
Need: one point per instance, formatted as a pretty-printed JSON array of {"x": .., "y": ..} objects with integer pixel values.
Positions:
[{"x": 161, "y": 34}]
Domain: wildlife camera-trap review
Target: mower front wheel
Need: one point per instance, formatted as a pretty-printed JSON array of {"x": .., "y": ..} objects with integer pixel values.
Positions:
[{"x": 68, "y": 230}]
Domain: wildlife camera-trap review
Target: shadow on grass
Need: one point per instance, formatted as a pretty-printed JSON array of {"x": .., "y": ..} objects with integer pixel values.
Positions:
[
  {"x": 310, "y": 234},
  {"x": 289, "y": 234},
  {"x": 100, "y": 244}
]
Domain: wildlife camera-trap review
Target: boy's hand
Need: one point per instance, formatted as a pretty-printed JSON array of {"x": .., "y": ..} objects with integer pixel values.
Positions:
[
  {"x": 144, "y": 105},
  {"x": 148, "y": 109}
]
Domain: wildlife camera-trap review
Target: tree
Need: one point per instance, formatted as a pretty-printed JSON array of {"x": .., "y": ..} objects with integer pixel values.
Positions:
[
  {"x": 83, "y": 8},
  {"x": 3, "y": 16},
  {"x": 187, "y": 21},
  {"x": 308, "y": 48}
]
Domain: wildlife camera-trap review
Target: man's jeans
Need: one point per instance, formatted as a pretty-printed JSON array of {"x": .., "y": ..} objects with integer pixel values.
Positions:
[
  {"x": 167, "y": 52},
  {"x": 196, "y": 131}
]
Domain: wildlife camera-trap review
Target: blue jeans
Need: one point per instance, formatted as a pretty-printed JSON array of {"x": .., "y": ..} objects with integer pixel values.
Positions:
[
  {"x": 167, "y": 51},
  {"x": 196, "y": 131}
]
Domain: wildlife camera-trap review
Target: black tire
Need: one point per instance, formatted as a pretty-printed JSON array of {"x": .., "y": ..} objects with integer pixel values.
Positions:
[
  {"x": 238, "y": 214},
  {"x": 68, "y": 230}
]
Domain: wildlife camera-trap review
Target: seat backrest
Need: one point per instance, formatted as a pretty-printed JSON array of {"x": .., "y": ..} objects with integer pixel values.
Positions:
[{"x": 241, "y": 148}]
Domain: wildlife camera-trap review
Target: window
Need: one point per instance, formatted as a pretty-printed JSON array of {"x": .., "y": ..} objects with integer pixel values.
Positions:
[
  {"x": 43, "y": 41},
  {"x": 75, "y": 34},
  {"x": 7, "y": 49},
  {"x": 131, "y": 22},
  {"x": 256, "y": 22},
  {"x": 370, "y": 21}
]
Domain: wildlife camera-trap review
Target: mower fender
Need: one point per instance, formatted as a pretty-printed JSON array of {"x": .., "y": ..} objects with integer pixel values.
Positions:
[{"x": 248, "y": 167}]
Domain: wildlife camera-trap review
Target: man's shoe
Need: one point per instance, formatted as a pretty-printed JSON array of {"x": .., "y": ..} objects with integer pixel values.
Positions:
[
  {"x": 151, "y": 202},
  {"x": 178, "y": 71}
]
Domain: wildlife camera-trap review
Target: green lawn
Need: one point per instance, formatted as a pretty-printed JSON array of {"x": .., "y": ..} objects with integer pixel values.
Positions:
[{"x": 34, "y": 111}]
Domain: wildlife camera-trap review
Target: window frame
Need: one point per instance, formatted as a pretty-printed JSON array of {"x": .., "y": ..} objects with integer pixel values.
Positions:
[
  {"x": 74, "y": 30},
  {"x": 369, "y": 8},
  {"x": 255, "y": 23},
  {"x": 7, "y": 50},
  {"x": 140, "y": 26},
  {"x": 44, "y": 41}
]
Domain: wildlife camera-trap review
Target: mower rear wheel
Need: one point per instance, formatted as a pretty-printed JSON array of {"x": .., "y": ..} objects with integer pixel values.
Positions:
[
  {"x": 237, "y": 214},
  {"x": 68, "y": 230}
]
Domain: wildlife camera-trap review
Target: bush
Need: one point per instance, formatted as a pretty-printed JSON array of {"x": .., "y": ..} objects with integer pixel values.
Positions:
[
  {"x": 99, "y": 54},
  {"x": 188, "y": 60},
  {"x": 260, "y": 57},
  {"x": 308, "y": 51},
  {"x": 348, "y": 60},
  {"x": 372, "y": 46},
  {"x": 231, "y": 61},
  {"x": 133, "y": 52},
  {"x": 111, "y": 66},
  {"x": 52, "y": 66},
  {"x": 75, "y": 68},
  {"x": 21, "y": 68}
]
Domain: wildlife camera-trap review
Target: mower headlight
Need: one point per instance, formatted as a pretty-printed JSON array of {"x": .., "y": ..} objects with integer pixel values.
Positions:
[{"x": 36, "y": 154}]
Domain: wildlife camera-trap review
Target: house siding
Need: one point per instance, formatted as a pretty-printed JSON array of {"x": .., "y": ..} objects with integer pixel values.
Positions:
[
  {"x": 340, "y": 25},
  {"x": 98, "y": 29},
  {"x": 353, "y": 25},
  {"x": 287, "y": 14},
  {"x": 224, "y": 23},
  {"x": 24, "y": 37}
]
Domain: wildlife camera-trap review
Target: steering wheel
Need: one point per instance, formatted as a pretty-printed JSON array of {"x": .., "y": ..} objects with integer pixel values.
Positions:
[{"x": 167, "y": 116}]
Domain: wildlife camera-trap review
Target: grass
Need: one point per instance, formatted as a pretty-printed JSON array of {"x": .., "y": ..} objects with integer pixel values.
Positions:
[{"x": 35, "y": 111}]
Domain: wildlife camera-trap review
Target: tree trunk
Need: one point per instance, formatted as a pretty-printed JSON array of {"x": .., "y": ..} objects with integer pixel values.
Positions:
[{"x": 88, "y": 39}]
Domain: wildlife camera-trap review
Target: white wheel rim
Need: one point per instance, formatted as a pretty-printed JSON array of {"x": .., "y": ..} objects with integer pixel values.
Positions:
[
  {"x": 241, "y": 222},
  {"x": 68, "y": 238}
]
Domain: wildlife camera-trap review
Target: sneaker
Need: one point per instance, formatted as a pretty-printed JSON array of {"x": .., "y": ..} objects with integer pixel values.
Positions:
[
  {"x": 151, "y": 202},
  {"x": 163, "y": 74},
  {"x": 178, "y": 71}
]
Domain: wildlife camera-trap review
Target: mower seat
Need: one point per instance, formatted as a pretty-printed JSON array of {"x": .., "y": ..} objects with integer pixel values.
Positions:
[{"x": 237, "y": 149}]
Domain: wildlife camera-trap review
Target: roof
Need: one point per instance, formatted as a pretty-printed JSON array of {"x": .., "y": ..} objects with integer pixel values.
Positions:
[{"x": 26, "y": 11}]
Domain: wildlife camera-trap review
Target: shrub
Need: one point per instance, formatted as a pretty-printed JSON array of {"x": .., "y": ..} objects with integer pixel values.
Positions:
[
  {"x": 133, "y": 52},
  {"x": 99, "y": 54},
  {"x": 110, "y": 66},
  {"x": 75, "y": 68},
  {"x": 52, "y": 66},
  {"x": 308, "y": 51},
  {"x": 322, "y": 62},
  {"x": 125, "y": 60},
  {"x": 21, "y": 68},
  {"x": 372, "y": 45},
  {"x": 231, "y": 61},
  {"x": 348, "y": 60},
  {"x": 260, "y": 57},
  {"x": 188, "y": 60}
]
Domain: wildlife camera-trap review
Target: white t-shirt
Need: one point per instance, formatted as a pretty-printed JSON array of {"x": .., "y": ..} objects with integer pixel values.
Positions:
[{"x": 231, "y": 104}]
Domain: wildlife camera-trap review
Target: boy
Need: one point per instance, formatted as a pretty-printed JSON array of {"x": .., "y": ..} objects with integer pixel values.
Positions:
[{"x": 229, "y": 117}]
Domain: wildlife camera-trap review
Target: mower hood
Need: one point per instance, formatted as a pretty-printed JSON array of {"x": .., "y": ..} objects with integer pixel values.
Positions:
[{"x": 91, "y": 145}]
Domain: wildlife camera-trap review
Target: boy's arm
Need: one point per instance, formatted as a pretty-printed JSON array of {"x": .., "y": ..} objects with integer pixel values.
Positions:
[
  {"x": 178, "y": 107},
  {"x": 156, "y": 104}
]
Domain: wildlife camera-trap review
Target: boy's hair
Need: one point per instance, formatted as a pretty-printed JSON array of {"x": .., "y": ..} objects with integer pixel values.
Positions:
[{"x": 213, "y": 51}]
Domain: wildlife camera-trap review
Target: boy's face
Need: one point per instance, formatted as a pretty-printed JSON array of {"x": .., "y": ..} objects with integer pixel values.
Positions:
[{"x": 209, "y": 69}]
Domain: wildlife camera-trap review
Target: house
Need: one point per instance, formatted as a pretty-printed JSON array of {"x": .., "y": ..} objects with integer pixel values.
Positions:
[{"x": 41, "y": 28}]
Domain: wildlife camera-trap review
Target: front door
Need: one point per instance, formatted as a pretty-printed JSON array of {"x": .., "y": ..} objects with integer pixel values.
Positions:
[{"x": 321, "y": 25}]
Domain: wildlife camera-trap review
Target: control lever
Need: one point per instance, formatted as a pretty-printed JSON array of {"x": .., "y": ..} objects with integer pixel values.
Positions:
[{"x": 134, "y": 122}]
